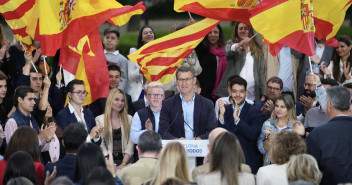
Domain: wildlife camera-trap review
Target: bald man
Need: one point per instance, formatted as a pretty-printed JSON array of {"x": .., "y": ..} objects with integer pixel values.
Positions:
[{"x": 203, "y": 169}]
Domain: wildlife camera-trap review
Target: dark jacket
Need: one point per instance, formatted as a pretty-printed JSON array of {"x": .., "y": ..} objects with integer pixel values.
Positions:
[
  {"x": 204, "y": 120},
  {"x": 247, "y": 131},
  {"x": 64, "y": 167},
  {"x": 144, "y": 115},
  {"x": 331, "y": 145}
]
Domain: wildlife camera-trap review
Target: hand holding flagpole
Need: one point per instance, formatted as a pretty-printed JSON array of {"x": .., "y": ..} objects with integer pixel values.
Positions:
[
  {"x": 249, "y": 39},
  {"x": 31, "y": 60},
  {"x": 46, "y": 71}
]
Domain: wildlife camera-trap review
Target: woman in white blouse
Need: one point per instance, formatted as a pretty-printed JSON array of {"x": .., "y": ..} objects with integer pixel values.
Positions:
[
  {"x": 244, "y": 58},
  {"x": 340, "y": 66}
]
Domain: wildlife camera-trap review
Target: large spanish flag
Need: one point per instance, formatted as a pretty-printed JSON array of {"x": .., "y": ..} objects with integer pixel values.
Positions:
[
  {"x": 19, "y": 16},
  {"x": 65, "y": 22},
  {"x": 285, "y": 22},
  {"x": 329, "y": 16},
  {"x": 159, "y": 59},
  {"x": 225, "y": 10},
  {"x": 86, "y": 61}
]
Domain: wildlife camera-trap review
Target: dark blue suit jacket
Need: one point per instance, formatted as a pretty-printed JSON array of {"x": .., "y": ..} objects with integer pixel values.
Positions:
[
  {"x": 64, "y": 118},
  {"x": 64, "y": 166},
  {"x": 247, "y": 131},
  {"x": 204, "y": 119},
  {"x": 331, "y": 145}
]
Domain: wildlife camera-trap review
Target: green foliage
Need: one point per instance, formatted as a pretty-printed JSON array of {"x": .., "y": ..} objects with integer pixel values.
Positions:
[
  {"x": 345, "y": 31},
  {"x": 129, "y": 40}
]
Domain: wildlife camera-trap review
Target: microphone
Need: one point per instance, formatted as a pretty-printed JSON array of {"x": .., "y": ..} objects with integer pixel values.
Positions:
[
  {"x": 194, "y": 134},
  {"x": 170, "y": 125}
]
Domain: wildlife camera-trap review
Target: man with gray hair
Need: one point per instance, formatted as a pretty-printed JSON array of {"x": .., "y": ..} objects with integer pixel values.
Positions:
[
  {"x": 186, "y": 115},
  {"x": 148, "y": 118},
  {"x": 331, "y": 143},
  {"x": 149, "y": 147}
]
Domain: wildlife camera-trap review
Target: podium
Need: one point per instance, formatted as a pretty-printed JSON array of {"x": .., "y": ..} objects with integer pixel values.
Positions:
[{"x": 194, "y": 148}]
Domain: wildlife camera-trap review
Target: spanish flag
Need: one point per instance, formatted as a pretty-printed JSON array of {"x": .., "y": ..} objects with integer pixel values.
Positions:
[
  {"x": 159, "y": 59},
  {"x": 86, "y": 61},
  {"x": 329, "y": 16},
  {"x": 19, "y": 16},
  {"x": 285, "y": 22},
  {"x": 225, "y": 10},
  {"x": 65, "y": 22}
]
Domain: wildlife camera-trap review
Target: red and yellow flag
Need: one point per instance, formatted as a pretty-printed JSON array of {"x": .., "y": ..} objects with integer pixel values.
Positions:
[
  {"x": 285, "y": 22},
  {"x": 65, "y": 22},
  {"x": 86, "y": 61},
  {"x": 159, "y": 59},
  {"x": 19, "y": 16},
  {"x": 225, "y": 10},
  {"x": 329, "y": 16}
]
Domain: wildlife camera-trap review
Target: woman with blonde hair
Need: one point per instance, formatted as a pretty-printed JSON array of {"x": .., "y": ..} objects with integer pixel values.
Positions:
[
  {"x": 303, "y": 167},
  {"x": 226, "y": 157},
  {"x": 116, "y": 125},
  {"x": 282, "y": 118},
  {"x": 172, "y": 163}
]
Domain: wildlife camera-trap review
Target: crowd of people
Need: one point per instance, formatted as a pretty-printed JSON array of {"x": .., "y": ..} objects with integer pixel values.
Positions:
[{"x": 270, "y": 120}]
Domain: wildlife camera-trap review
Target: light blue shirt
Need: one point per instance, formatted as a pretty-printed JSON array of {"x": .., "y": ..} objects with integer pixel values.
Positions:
[
  {"x": 285, "y": 71},
  {"x": 188, "y": 115},
  {"x": 136, "y": 127},
  {"x": 239, "y": 113}
]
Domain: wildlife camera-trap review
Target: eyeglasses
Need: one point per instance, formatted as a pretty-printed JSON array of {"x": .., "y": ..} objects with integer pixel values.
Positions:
[
  {"x": 80, "y": 93},
  {"x": 273, "y": 88},
  {"x": 155, "y": 95},
  {"x": 180, "y": 80}
]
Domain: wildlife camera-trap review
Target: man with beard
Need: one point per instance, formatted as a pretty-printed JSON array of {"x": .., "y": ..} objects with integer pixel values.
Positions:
[
  {"x": 308, "y": 100},
  {"x": 273, "y": 91},
  {"x": 244, "y": 121},
  {"x": 317, "y": 116}
]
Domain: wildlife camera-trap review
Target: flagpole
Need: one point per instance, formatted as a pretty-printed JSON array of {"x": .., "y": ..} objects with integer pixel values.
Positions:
[
  {"x": 46, "y": 71},
  {"x": 31, "y": 60},
  {"x": 190, "y": 16},
  {"x": 310, "y": 64},
  {"x": 249, "y": 39}
]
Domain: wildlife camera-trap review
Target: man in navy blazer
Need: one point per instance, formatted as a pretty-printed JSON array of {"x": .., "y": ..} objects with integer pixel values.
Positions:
[
  {"x": 331, "y": 143},
  {"x": 244, "y": 120},
  {"x": 74, "y": 111},
  {"x": 186, "y": 115}
]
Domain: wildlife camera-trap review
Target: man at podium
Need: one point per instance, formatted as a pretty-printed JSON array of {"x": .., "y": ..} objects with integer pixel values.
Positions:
[{"x": 186, "y": 115}]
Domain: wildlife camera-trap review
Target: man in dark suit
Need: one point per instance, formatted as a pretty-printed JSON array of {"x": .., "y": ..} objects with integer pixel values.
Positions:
[
  {"x": 186, "y": 115},
  {"x": 331, "y": 143},
  {"x": 73, "y": 136},
  {"x": 74, "y": 112},
  {"x": 244, "y": 121}
]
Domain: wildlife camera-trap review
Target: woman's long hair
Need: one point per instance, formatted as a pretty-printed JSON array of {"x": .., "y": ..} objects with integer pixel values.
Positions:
[
  {"x": 290, "y": 106},
  {"x": 172, "y": 163},
  {"x": 21, "y": 164},
  {"x": 226, "y": 156},
  {"x": 252, "y": 44},
  {"x": 89, "y": 156},
  {"x": 336, "y": 59},
  {"x": 123, "y": 115},
  {"x": 221, "y": 41},
  {"x": 140, "y": 36},
  {"x": 24, "y": 139}
]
